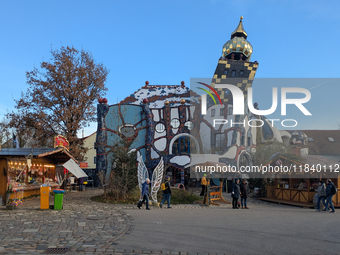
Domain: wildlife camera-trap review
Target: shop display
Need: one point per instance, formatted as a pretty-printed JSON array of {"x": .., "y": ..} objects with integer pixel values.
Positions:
[{"x": 24, "y": 175}]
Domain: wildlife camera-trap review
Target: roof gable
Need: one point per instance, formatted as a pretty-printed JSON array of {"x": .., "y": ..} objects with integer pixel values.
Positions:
[{"x": 321, "y": 144}]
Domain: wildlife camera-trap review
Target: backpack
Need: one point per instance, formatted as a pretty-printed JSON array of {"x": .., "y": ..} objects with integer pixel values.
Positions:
[
  {"x": 334, "y": 190},
  {"x": 163, "y": 186}
]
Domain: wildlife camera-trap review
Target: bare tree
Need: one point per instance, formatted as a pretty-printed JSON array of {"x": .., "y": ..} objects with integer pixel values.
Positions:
[
  {"x": 5, "y": 134},
  {"x": 60, "y": 98}
]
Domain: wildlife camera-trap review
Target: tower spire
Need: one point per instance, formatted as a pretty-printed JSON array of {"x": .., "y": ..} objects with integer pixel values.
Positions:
[{"x": 239, "y": 31}]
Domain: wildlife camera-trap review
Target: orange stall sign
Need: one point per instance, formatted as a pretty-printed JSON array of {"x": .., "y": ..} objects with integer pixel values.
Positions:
[{"x": 83, "y": 165}]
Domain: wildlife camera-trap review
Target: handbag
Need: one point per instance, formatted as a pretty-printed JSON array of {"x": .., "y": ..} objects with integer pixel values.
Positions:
[{"x": 140, "y": 203}]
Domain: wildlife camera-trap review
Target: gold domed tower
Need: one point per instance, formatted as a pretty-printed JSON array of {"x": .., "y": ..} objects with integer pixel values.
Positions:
[
  {"x": 234, "y": 66},
  {"x": 238, "y": 47}
]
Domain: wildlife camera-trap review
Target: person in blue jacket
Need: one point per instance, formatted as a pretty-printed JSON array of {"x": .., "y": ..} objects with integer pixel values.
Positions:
[
  {"x": 330, "y": 192},
  {"x": 235, "y": 193},
  {"x": 145, "y": 194}
]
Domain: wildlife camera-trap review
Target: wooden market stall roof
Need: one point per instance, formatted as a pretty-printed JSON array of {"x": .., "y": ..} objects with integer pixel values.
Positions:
[{"x": 55, "y": 154}]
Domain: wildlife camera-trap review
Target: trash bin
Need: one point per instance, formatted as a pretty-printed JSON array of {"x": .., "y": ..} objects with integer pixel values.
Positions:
[
  {"x": 45, "y": 197},
  {"x": 58, "y": 199}
]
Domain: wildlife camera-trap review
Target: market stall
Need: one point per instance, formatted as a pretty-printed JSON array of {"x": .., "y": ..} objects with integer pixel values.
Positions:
[
  {"x": 24, "y": 170},
  {"x": 299, "y": 188}
]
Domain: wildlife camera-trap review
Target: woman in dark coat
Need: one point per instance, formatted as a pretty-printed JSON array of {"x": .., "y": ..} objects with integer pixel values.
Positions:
[
  {"x": 244, "y": 188},
  {"x": 235, "y": 193}
]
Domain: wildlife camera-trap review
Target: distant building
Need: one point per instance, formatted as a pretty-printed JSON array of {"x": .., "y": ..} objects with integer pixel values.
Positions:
[{"x": 89, "y": 165}]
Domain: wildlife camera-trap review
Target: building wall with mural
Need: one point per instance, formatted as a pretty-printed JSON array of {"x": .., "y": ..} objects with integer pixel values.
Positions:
[{"x": 164, "y": 121}]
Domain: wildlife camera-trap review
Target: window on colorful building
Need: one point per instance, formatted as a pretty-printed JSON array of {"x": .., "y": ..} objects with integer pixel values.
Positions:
[
  {"x": 181, "y": 146},
  {"x": 189, "y": 125},
  {"x": 175, "y": 123},
  {"x": 160, "y": 128},
  {"x": 220, "y": 141},
  {"x": 212, "y": 113},
  {"x": 231, "y": 111}
]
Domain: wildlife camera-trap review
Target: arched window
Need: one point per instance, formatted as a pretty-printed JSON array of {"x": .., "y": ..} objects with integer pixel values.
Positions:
[{"x": 183, "y": 145}]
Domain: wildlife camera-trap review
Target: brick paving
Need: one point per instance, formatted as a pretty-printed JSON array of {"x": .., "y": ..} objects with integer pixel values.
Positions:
[{"x": 83, "y": 226}]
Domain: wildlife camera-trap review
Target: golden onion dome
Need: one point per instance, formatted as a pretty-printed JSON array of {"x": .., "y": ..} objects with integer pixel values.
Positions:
[{"x": 238, "y": 46}]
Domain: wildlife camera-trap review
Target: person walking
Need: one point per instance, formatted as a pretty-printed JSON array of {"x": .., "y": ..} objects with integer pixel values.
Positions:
[
  {"x": 235, "y": 193},
  {"x": 145, "y": 194},
  {"x": 81, "y": 183},
  {"x": 204, "y": 183},
  {"x": 330, "y": 192},
  {"x": 244, "y": 191},
  {"x": 166, "y": 192},
  {"x": 321, "y": 195}
]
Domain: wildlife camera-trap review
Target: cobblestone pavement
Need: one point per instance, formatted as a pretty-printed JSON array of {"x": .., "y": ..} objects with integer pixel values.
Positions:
[{"x": 82, "y": 227}]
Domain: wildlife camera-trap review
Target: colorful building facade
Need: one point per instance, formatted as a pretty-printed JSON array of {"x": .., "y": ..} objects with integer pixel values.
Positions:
[{"x": 165, "y": 121}]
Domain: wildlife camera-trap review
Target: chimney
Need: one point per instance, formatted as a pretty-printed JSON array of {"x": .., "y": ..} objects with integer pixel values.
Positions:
[{"x": 82, "y": 133}]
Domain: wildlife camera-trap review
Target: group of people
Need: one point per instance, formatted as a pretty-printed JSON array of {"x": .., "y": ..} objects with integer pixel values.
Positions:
[
  {"x": 240, "y": 191},
  {"x": 325, "y": 194},
  {"x": 165, "y": 189}
]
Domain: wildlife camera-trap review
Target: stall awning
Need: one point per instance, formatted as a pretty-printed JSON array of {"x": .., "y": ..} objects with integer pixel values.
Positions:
[{"x": 72, "y": 166}]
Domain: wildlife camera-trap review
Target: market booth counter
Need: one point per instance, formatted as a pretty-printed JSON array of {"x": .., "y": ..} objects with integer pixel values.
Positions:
[
  {"x": 25, "y": 170},
  {"x": 299, "y": 189},
  {"x": 26, "y": 181}
]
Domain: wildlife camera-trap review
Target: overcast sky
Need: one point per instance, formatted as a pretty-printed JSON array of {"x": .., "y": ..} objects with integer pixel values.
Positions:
[{"x": 166, "y": 42}]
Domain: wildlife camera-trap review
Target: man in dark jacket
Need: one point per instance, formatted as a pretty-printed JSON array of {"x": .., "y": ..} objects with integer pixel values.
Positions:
[
  {"x": 166, "y": 192},
  {"x": 244, "y": 189},
  {"x": 235, "y": 193},
  {"x": 81, "y": 183},
  {"x": 330, "y": 191},
  {"x": 145, "y": 194}
]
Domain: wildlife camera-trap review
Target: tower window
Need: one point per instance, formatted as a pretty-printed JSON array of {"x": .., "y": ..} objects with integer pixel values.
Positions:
[
  {"x": 248, "y": 141},
  {"x": 212, "y": 113},
  {"x": 233, "y": 73},
  {"x": 241, "y": 72},
  {"x": 226, "y": 72},
  {"x": 222, "y": 112}
]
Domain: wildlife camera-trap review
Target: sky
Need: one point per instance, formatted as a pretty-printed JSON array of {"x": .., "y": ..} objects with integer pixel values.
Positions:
[{"x": 166, "y": 42}]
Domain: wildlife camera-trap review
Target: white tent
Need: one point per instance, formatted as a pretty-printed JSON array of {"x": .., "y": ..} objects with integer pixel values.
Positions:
[{"x": 72, "y": 166}]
